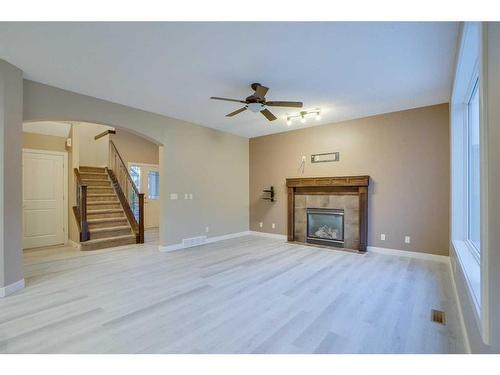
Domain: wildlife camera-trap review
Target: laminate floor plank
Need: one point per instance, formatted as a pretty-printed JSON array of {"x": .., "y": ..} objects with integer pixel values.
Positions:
[{"x": 244, "y": 295}]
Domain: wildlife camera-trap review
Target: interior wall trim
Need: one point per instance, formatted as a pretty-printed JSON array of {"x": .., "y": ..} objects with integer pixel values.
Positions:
[
  {"x": 410, "y": 254},
  {"x": 269, "y": 235},
  {"x": 180, "y": 246},
  {"x": 11, "y": 288},
  {"x": 74, "y": 244}
]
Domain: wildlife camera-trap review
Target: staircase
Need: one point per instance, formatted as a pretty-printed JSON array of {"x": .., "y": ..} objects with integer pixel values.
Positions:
[{"x": 108, "y": 225}]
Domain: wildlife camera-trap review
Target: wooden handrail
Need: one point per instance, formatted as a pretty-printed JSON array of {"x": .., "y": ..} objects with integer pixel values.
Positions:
[
  {"x": 104, "y": 133},
  {"x": 79, "y": 180}
]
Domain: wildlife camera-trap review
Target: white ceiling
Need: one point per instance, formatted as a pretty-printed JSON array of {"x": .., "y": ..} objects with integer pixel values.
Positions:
[
  {"x": 57, "y": 129},
  {"x": 349, "y": 70}
]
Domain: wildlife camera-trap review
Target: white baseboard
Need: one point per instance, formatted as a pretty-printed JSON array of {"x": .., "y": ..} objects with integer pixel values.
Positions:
[
  {"x": 9, "y": 289},
  {"x": 180, "y": 246},
  {"x": 74, "y": 244},
  {"x": 269, "y": 235},
  {"x": 410, "y": 254}
]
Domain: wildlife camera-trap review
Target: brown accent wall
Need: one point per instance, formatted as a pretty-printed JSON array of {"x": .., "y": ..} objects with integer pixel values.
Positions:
[{"x": 405, "y": 153}]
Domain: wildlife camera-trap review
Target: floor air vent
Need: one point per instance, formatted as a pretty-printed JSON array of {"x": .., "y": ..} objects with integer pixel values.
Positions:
[
  {"x": 194, "y": 241},
  {"x": 438, "y": 317}
]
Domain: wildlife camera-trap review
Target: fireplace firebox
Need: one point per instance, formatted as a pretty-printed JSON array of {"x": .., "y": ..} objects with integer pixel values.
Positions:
[{"x": 325, "y": 226}]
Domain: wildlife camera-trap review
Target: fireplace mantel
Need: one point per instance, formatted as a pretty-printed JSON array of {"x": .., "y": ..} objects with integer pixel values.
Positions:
[{"x": 345, "y": 185}]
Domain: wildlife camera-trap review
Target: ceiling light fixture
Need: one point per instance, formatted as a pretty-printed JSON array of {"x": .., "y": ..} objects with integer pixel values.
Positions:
[{"x": 302, "y": 115}]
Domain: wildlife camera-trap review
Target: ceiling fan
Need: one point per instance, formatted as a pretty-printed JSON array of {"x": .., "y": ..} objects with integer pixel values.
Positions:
[{"x": 257, "y": 102}]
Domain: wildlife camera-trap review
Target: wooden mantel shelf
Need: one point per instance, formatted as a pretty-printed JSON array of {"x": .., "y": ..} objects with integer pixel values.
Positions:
[
  {"x": 353, "y": 185},
  {"x": 328, "y": 181}
]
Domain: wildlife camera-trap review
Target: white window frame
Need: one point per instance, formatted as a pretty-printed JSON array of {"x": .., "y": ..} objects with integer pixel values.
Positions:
[
  {"x": 472, "y": 263},
  {"x": 475, "y": 83}
]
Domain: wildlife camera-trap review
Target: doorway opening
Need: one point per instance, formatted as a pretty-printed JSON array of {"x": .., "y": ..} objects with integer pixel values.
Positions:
[{"x": 76, "y": 186}]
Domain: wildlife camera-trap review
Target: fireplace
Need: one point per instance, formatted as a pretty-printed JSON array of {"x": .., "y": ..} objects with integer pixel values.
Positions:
[
  {"x": 325, "y": 226},
  {"x": 329, "y": 211}
]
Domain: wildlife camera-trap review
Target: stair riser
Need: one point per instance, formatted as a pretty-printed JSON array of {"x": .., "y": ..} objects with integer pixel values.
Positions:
[
  {"x": 99, "y": 190},
  {"x": 96, "y": 206},
  {"x": 94, "y": 176},
  {"x": 92, "y": 183},
  {"x": 105, "y": 215},
  {"x": 114, "y": 223},
  {"x": 100, "y": 199},
  {"x": 110, "y": 233},
  {"x": 91, "y": 170},
  {"x": 110, "y": 243}
]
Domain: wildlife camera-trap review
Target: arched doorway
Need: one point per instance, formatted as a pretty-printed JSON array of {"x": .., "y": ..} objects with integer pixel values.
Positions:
[{"x": 100, "y": 157}]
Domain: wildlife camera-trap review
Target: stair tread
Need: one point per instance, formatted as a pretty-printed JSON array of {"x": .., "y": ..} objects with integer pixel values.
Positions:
[
  {"x": 98, "y": 230},
  {"x": 100, "y": 194},
  {"x": 104, "y": 210},
  {"x": 106, "y": 219},
  {"x": 103, "y": 202},
  {"x": 99, "y": 240}
]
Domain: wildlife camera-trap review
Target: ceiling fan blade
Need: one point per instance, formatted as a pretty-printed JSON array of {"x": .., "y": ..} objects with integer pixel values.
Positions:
[
  {"x": 268, "y": 114},
  {"x": 236, "y": 112},
  {"x": 228, "y": 100},
  {"x": 261, "y": 91},
  {"x": 284, "y": 104}
]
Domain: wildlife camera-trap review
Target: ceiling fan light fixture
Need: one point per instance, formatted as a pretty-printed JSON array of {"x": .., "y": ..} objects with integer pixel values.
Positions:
[{"x": 256, "y": 107}]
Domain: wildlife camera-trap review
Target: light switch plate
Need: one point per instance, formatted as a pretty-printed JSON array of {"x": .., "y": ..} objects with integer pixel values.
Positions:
[
  {"x": 261, "y": 224},
  {"x": 186, "y": 196},
  {"x": 190, "y": 195},
  {"x": 207, "y": 229},
  {"x": 382, "y": 237},
  {"x": 273, "y": 225},
  {"x": 407, "y": 239},
  {"x": 174, "y": 196}
]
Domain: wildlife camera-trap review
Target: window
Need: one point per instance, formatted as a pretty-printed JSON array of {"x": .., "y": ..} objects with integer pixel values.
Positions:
[
  {"x": 153, "y": 185},
  {"x": 135, "y": 173},
  {"x": 473, "y": 171},
  {"x": 466, "y": 198}
]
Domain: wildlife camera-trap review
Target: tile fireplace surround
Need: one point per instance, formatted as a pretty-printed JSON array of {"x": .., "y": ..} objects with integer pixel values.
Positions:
[{"x": 349, "y": 194}]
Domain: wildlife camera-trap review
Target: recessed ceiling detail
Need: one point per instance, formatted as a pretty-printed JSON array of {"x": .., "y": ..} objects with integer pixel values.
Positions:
[{"x": 348, "y": 69}]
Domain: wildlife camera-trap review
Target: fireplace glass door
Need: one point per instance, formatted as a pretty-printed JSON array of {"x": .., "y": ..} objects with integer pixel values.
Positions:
[{"x": 325, "y": 226}]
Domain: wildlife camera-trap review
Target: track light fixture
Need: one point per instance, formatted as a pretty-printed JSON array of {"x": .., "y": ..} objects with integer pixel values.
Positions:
[{"x": 302, "y": 115}]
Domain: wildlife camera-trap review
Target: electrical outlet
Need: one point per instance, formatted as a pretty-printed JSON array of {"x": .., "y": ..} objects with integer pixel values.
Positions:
[
  {"x": 190, "y": 195},
  {"x": 382, "y": 237},
  {"x": 186, "y": 196},
  {"x": 407, "y": 239},
  {"x": 261, "y": 224},
  {"x": 273, "y": 225},
  {"x": 207, "y": 229},
  {"x": 174, "y": 196}
]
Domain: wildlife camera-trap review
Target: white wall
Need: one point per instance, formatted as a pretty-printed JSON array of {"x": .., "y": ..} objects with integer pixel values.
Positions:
[
  {"x": 10, "y": 177},
  {"x": 93, "y": 153}
]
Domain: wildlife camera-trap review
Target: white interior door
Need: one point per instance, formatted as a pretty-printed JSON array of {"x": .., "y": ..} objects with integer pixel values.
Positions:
[
  {"x": 147, "y": 177},
  {"x": 43, "y": 199}
]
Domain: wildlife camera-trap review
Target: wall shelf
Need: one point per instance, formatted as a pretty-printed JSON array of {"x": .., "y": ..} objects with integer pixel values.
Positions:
[{"x": 269, "y": 194}]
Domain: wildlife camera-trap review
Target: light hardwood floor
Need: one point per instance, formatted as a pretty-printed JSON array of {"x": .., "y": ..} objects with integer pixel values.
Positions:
[{"x": 244, "y": 295}]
